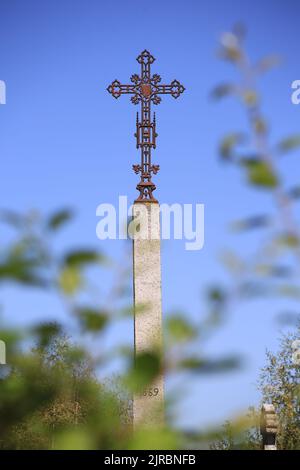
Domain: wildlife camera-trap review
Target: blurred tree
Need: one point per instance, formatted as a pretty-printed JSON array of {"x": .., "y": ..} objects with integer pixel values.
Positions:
[
  {"x": 240, "y": 435},
  {"x": 279, "y": 384},
  {"x": 70, "y": 372}
]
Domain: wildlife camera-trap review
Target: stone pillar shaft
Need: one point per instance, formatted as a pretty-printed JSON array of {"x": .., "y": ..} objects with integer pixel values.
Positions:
[{"x": 147, "y": 406}]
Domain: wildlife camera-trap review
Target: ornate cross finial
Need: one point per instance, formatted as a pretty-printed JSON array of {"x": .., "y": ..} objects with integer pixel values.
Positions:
[{"x": 145, "y": 89}]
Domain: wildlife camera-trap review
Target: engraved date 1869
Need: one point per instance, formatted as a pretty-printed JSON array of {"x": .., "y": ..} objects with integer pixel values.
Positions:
[{"x": 151, "y": 392}]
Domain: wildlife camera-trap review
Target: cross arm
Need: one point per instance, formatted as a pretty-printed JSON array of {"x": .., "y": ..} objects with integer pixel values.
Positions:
[
  {"x": 174, "y": 89},
  {"x": 116, "y": 89}
]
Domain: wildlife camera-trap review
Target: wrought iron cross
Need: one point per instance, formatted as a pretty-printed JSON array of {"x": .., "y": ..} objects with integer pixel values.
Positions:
[{"x": 145, "y": 89}]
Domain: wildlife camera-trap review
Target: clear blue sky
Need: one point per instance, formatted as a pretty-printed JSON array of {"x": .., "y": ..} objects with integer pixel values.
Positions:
[{"x": 66, "y": 142}]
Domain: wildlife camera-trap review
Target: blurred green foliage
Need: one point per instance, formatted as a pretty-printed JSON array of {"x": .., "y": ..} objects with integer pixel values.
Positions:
[
  {"x": 50, "y": 392},
  {"x": 272, "y": 270}
]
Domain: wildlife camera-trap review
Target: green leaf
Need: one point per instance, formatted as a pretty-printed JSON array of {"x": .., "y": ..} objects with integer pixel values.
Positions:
[
  {"x": 230, "y": 47},
  {"x": 58, "y": 219},
  {"x": 250, "y": 97},
  {"x": 23, "y": 270},
  {"x": 208, "y": 366},
  {"x": 222, "y": 90},
  {"x": 216, "y": 295},
  {"x": 277, "y": 271},
  {"x": 179, "y": 329},
  {"x": 288, "y": 290},
  {"x": 290, "y": 143},
  {"x": 143, "y": 371},
  {"x": 253, "y": 289},
  {"x": 70, "y": 280},
  {"x": 289, "y": 240},
  {"x": 260, "y": 125},
  {"x": 251, "y": 223},
  {"x": 12, "y": 218},
  {"x": 294, "y": 193},
  {"x": 92, "y": 319},
  {"x": 267, "y": 63},
  {"x": 79, "y": 258},
  {"x": 232, "y": 262},
  {"x": 260, "y": 173},
  {"x": 130, "y": 311},
  {"x": 228, "y": 144}
]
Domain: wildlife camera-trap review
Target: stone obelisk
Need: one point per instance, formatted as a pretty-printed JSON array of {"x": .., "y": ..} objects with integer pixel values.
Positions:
[
  {"x": 148, "y": 406},
  {"x": 146, "y": 90}
]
